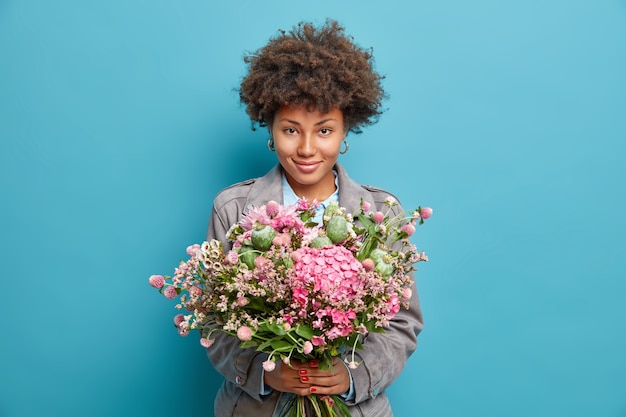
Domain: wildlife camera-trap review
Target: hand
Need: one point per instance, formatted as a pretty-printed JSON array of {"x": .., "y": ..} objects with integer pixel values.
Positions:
[{"x": 306, "y": 378}]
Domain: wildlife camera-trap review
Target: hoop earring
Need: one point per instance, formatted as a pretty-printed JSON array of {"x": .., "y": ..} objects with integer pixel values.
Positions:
[
  {"x": 346, "y": 148},
  {"x": 270, "y": 144}
]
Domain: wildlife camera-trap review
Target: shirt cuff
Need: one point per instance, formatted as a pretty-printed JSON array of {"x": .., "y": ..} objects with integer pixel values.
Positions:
[{"x": 350, "y": 395}]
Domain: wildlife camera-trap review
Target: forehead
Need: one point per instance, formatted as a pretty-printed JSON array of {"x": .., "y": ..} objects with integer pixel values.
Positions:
[{"x": 303, "y": 115}]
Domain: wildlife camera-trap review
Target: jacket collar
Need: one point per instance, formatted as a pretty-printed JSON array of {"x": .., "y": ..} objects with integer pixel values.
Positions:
[{"x": 269, "y": 187}]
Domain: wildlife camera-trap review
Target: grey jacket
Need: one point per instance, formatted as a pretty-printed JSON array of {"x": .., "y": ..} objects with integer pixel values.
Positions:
[{"x": 383, "y": 355}]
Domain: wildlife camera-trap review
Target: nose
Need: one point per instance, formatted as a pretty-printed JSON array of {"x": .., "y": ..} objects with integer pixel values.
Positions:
[{"x": 307, "y": 145}]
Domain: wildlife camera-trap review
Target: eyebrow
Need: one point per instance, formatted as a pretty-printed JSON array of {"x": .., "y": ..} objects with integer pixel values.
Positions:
[{"x": 321, "y": 122}]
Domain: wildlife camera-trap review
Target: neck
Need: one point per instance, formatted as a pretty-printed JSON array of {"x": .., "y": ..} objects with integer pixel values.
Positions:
[{"x": 319, "y": 191}]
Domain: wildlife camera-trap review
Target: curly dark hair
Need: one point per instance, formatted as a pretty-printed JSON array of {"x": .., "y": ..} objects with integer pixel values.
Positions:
[{"x": 320, "y": 68}]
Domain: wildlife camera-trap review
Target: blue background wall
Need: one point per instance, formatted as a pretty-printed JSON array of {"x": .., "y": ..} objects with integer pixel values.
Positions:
[{"x": 119, "y": 123}]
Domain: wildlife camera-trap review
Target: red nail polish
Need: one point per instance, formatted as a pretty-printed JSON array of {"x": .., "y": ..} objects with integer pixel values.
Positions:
[
  {"x": 304, "y": 378},
  {"x": 313, "y": 363},
  {"x": 302, "y": 371},
  {"x": 313, "y": 389}
]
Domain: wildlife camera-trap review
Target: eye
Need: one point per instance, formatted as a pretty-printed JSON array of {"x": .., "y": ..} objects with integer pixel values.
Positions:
[
  {"x": 325, "y": 131},
  {"x": 290, "y": 131}
]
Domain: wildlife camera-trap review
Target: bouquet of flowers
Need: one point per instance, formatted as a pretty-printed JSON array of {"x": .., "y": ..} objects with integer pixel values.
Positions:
[{"x": 298, "y": 290}]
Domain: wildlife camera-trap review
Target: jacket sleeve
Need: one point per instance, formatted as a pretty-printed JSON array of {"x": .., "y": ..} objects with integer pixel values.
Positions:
[
  {"x": 384, "y": 355},
  {"x": 242, "y": 367}
]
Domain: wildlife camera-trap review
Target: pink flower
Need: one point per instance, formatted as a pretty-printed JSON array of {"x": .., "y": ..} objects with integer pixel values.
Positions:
[
  {"x": 368, "y": 264},
  {"x": 390, "y": 201},
  {"x": 170, "y": 292},
  {"x": 157, "y": 281},
  {"x": 244, "y": 333},
  {"x": 272, "y": 208},
  {"x": 193, "y": 249},
  {"x": 260, "y": 262},
  {"x": 183, "y": 332},
  {"x": 426, "y": 212},
  {"x": 195, "y": 291},
  {"x": 206, "y": 342},
  {"x": 379, "y": 217},
  {"x": 179, "y": 318},
  {"x": 409, "y": 229},
  {"x": 232, "y": 257},
  {"x": 307, "y": 348},
  {"x": 406, "y": 293},
  {"x": 353, "y": 365},
  {"x": 269, "y": 366},
  {"x": 318, "y": 341},
  {"x": 365, "y": 206}
]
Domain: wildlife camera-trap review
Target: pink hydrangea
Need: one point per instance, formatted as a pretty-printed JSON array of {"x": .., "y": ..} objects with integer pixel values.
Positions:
[
  {"x": 244, "y": 333},
  {"x": 157, "y": 281},
  {"x": 318, "y": 341}
]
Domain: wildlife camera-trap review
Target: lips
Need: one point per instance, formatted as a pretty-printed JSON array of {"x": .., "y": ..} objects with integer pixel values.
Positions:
[{"x": 307, "y": 167}]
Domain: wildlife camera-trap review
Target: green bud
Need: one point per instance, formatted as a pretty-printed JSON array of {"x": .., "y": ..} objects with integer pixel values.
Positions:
[
  {"x": 262, "y": 237},
  {"x": 337, "y": 229},
  {"x": 321, "y": 241}
]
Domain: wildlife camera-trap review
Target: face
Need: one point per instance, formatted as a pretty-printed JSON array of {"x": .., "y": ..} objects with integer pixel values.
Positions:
[{"x": 307, "y": 145}]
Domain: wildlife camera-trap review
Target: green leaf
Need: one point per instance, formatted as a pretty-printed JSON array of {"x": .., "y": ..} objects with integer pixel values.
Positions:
[
  {"x": 277, "y": 329},
  {"x": 305, "y": 332},
  {"x": 280, "y": 345}
]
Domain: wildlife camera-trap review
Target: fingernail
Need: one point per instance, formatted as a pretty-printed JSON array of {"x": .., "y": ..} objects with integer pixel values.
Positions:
[
  {"x": 304, "y": 378},
  {"x": 313, "y": 389},
  {"x": 313, "y": 363},
  {"x": 302, "y": 371}
]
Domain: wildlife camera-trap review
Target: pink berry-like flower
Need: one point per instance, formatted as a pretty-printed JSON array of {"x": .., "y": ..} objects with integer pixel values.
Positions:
[
  {"x": 407, "y": 293},
  {"x": 206, "y": 342},
  {"x": 353, "y": 365},
  {"x": 426, "y": 212},
  {"x": 179, "y": 318},
  {"x": 183, "y": 332},
  {"x": 391, "y": 201},
  {"x": 379, "y": 217},
  {"x": 244, "y": 333},
  {"x": 170, "y": 292},
  {"x": 269, "y": 366},
  {"x": 409, "y": 229},
  {"x": 365, "y": 206},
  {"x": 157, "y": 281},
  {"x": 193, "y": 249},
  {"x": 195, "y": 291},
  {"x": 272, "y": 208},
  {"x": 368, "y": 264},
  {"x": 307, "y": 348},
  {"x": 232, "y": 257}
]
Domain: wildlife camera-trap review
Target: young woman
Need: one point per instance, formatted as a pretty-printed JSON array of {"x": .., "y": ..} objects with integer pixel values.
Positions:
[{"x": 309, "y": 87}]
